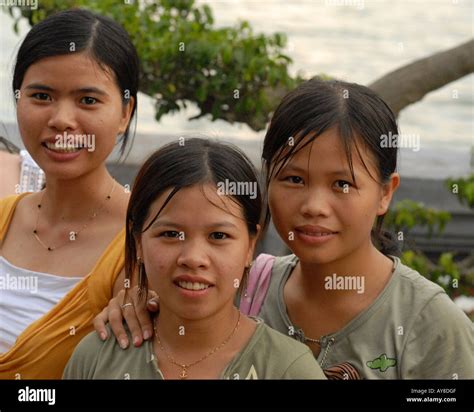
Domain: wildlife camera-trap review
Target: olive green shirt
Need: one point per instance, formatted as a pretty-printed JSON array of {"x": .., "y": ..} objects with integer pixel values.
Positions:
[
  {"x": 268, "y": 355},
  {"x": 412, "y": 330}
]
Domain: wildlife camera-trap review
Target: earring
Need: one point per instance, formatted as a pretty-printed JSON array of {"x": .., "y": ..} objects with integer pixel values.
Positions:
[
  {"x": 141, "y": 275},
  {"x": 246, "y": 277}
]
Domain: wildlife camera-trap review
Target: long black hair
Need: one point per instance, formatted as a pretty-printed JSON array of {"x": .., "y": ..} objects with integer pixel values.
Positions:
[
  {"x": 75, "y": 31},
  {"x": 184, "y": 164},
  {"x": 360, "y": 116}
]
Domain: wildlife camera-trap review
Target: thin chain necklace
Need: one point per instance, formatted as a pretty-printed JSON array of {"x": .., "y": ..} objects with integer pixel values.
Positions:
[
  {"x": 184, "y": 367},
  {"x": 318, "y": 341},
  {"x": 72, "y": 235}
]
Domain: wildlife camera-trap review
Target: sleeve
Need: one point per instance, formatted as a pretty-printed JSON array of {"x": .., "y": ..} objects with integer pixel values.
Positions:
[
  {"x": 440, "y": 345},
  {"x": 304, "y": 366},
  {"x": 83, "y": 361}
]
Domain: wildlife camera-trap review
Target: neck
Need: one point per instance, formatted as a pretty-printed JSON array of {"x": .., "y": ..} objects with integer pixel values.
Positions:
[
  {"x": 366, "y": 267},
  {"x": 72, "y": 199},
  {"x": 191, "y": 336}
]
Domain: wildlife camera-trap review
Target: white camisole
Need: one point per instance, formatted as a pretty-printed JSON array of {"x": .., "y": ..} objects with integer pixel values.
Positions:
[{"x": 25, "y": 296}]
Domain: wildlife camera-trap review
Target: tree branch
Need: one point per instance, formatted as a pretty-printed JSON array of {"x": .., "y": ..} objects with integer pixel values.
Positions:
[{"x": 412, "y": 82}]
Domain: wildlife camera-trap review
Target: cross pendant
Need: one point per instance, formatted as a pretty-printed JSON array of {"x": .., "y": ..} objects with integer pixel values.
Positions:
[{"x": 183, "y": 374}]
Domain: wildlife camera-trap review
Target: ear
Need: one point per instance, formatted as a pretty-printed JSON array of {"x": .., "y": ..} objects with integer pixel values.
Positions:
[
  {"x": 253, "y": 243},
  {"x": 388, "y": 189},
  {"x": 126, "y": 114}
]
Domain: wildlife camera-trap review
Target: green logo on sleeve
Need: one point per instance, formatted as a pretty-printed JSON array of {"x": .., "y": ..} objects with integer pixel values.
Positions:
[{"x": 382, "y": 363}]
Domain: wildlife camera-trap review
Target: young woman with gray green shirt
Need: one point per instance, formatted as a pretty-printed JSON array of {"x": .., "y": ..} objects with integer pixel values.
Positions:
[{"x": 191, "y": 240}]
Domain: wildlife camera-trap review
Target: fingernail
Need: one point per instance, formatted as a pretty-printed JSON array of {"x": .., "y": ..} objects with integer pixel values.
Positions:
[
  {"x": 103, "y": 335},
  {"x": 123, "y": 343},
  {"x": 147, "y": 334},
  {"x": 152, "y": 302},
  {"x": 136, "y": 340}
]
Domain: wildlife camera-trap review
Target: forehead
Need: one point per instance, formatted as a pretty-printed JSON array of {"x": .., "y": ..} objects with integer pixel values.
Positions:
[
  {"x": 197, "y": 204},
  {"x": 68, "y": 71},
  {"x": 326, "y": 154}
]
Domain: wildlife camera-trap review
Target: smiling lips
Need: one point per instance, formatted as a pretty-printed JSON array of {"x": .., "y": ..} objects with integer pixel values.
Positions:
[
  {"x": 314, "y": 235},
  {"x": 193, "y": 283},
  {"x": 316, "y": 231},
  {"x": 61, "y": 147}
]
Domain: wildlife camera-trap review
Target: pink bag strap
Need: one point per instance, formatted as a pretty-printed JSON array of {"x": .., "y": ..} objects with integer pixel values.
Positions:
[{"x": 257, "y": 285}]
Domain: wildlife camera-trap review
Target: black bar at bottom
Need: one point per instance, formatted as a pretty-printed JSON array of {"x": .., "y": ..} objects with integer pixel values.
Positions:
[{"x": 134, "y": 394}]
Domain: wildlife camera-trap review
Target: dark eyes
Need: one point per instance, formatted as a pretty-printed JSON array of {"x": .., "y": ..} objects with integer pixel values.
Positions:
[
  {"x": 170, "y": 234},
  {"x": 338, "y": 184},
  {"x": 294, "y": 179},
  {"x": 41, "y": 96},
  {"x": 218, "y": 236},
  {"x": 88, "y": 100},
  {"x": 173, "y": 234},
  {"x": 343, "y": 184}
]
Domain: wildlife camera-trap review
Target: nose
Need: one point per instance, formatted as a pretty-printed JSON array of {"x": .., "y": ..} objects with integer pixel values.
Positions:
[
  {"x": 63, "y": 117},
  {"x": 315, "y": 202},
  {"x": 193, "y": 255}
]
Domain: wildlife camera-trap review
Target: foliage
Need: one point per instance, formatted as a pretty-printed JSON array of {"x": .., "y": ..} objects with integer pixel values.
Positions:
[
  {"x": 456, "y": 277},
  {"x": 407, "y": 214},
  {"x": 463, "y": 188},
  {"x": 229, "y": 73}
]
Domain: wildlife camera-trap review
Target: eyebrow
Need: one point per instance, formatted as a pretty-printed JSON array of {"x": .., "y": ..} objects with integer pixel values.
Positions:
[
  {"x": 159, "y": 223},
  {"x": 295, "y": 168},
  {"x": 302, "y": 170},
  {"x": 340, "y": 172},
  {"x": 95, "y": 90}
]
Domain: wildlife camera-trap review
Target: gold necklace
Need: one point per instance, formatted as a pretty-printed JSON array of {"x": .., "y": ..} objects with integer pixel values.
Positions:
[
  {"x": 318, "y": 341},
  {"x": 184, "y": 367},
  {"x": 72, "y": 235}
]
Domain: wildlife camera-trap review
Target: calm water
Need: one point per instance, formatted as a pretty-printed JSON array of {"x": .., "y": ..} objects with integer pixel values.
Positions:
[{"x": 350, "y": 39}]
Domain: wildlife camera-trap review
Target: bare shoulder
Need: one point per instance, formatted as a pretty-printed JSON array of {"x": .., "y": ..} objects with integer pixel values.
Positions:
[
  {"x": 10, "y": 171},
  {"x": 25, "y": 211}
]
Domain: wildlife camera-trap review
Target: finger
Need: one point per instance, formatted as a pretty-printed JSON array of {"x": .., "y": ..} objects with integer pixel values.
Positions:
[
  {"x": 116, "y": 321},
  {"x": 145, "y": 318},
  {"x": 153, "y": 304},
  {"x": 99, "y": 323},
  {"x": 131, "y": 317}
]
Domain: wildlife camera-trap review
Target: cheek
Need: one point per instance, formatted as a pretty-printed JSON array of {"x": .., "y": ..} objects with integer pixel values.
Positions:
[
  {"x": 281, "y": 210},
  {"x": 158, "y": 265},
  {"x": 31, "y": 120},
  {"x": 359, "y": 213},
  {"x": 104, "y": 126},
  {"x": 230, "y": 267}
]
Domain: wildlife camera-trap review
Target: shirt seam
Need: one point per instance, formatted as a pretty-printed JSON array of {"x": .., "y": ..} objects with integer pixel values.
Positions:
[{"x": 292, "y": 363}]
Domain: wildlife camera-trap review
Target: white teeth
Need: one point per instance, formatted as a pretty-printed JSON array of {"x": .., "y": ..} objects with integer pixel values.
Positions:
[
  {"x": 192, "y": 286},
  {"x": 62, "y": 148}
]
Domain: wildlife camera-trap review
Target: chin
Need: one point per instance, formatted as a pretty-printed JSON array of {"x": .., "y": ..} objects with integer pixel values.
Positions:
[
  {"x": 316, "y": 256},
  {"x": 193, "y": 314},
  {"x": 66, "y": 171}
]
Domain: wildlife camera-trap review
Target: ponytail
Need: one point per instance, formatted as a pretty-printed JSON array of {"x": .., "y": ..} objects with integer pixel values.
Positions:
[{"x": 384, "y": 240}]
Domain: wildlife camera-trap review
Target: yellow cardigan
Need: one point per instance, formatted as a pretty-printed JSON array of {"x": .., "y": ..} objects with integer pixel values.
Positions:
[{"x": 44, "y": 347}]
